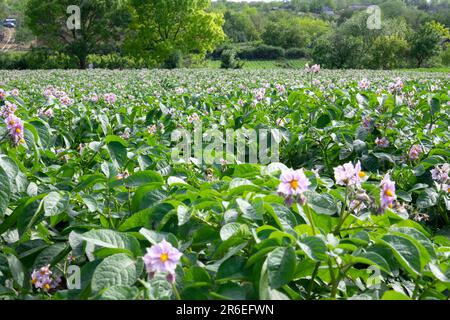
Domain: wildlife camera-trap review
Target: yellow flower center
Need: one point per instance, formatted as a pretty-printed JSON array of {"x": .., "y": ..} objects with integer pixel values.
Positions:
[
  {"x": 294, "y": 184},
  {"x": 164, "y": 257},
  {"x": 47, "y": 286},
  {"x": 362, "y": 174},
  {"x": 34, "y": 281},
  {"x": 12, "y": 122},
  {"x": 389, "y": 193},
  {"x": 448, "y": 190},
  {"x": 18, "y": 130}
]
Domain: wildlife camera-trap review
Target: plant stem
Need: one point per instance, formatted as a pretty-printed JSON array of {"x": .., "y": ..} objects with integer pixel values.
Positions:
[
  {"x": 309, "y": 216},
  {"x": 313, "y": 277},
  {"x": 175, "y": 290}
]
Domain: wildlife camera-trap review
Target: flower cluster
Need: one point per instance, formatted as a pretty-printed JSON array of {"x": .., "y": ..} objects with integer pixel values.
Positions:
[
  {"x": 43, "y": 279},
  {"x": 15, "y": 129},
  {"x": 440, "y": 175},
  {"x": 388, "y": 196},
  {"x": 162, "y": 257},
  {"x": 8, "y": 109},
  {"x": 292, "y": 184},
  {"x": 349, "y": 175},
  {"x": 313, "y": 69},
  {"x": 415, "y": 152},
  {"x": 110, "y": 98},
  {"x": 382, "y": 143},
  {"x": 364, "y": 84}
]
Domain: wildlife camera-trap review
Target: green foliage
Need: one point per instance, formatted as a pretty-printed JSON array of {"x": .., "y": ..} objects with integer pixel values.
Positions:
[
  {"x": 161, "y": 27},
  {"x": 261, "y": 52},
  {"x": 389, "y": 52},
  {"x": 288, "y": 31},
  {"x": 94, "y": 186},
  {"x": 101, "y": 28},
  {"x": 425, "y": 43},
  {"x": 229, "y": 60}
]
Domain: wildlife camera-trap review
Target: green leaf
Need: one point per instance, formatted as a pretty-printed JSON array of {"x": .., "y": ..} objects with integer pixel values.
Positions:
[
  {"x": 17, "y": 269},
  {"x": 142, "y": 178},
  {"x": 118, "y": 153},
  {"x": 233, "y": 229},
  {"x": 314, "y": 247},
  {"x": 113, "y": 240},
  {"x": 281, "y": 265},
  {"x": 427, "y": 199},
  {"x": 394, "y": 295},
  {"x": 120, "y": 293},
  {"x": 51, "y": 255},
  {"x": 321, "y": 203},
  {"x": 184, "y": 214},
  {"x": 55, "y": 203},
  {"x": 116, "y": 270},
  {"x": 405, "y": 251},
  {"x": 5, "y": 191}
]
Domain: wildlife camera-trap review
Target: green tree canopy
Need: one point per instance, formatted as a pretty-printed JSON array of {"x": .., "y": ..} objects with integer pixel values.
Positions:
[
  {"x": 102, "y": 23},
  {"x": 160, "y": 27},
  {"x": 288, "y": 31}
]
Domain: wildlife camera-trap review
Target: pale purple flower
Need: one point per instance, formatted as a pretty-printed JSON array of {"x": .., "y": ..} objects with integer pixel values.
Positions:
[
  {"x": 440, "y": 174},
  {"x": 415, "y": 152},
  {"x": 364, "y": 84},
  {"x": 313, "y": 69},
  {"x": 110, "y": 98},
  {"x": 293, "y": 182},
  {"x": 16, "y": 129},
  {"x": 15, "y": 92},
  {"x": 382, "y": 143},
  {"x": 349, "y": 175},
  {"x": 367, "y": 123},
  {"x": 259, "y": 94},
  {"x": 280, "y": 88},
  {"x": 280, "y": 122},
  {"x": 2, "y": 94},
  {"x": 46, "y": 113},
  {"x": 65, "y": 100},
  {"x": 194, "y": 118},
  {"x": 8, "y": 109},
  {"x": 152, "y": 129},
  {"x": 162, "y": 257},
  {"x": 43, "y": 279},
  {"x": 123, "y": 175},
  {"x": 387, "y": 195}
]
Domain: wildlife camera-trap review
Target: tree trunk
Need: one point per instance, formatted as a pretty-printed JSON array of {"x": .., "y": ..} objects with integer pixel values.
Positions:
[{"x": 83, "y": 62}]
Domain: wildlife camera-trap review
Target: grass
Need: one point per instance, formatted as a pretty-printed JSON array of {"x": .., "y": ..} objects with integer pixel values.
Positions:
[
  {"x": 442, "y": 69},
  {"x": 264, "y": 64}
]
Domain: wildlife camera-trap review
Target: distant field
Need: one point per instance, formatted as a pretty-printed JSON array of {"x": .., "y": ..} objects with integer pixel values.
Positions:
[
  {"x": 443, "y": 69},
  {"x": 299, "y": 64},
  {"x": 265, "y": 64}
]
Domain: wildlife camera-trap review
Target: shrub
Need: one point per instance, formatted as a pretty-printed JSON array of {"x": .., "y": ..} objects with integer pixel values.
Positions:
[
  {"x": 295, "y": 53},
  {"x": 229, "y": 60},
  {"x": 262, "y": 52},
  {"x": 174, "y": 60},
  {"x": 445, "y": 56}
]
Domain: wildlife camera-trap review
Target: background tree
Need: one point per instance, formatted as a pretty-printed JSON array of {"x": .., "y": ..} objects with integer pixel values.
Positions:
[
  {"x": 102, "y": 26},
  {"x": 425, "y": 43},
  {"x": 389, "y": 52},
  {"x": 2, "y": 9},
  {"x": 288, "y": 31},
  {"x": 239, "y": 27},
  {"x": 161, "y": 26}
]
